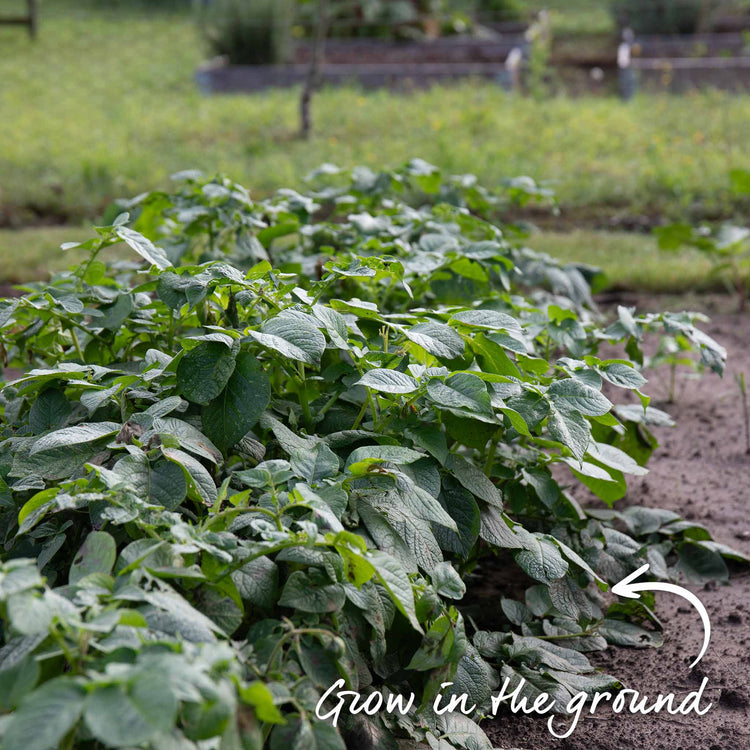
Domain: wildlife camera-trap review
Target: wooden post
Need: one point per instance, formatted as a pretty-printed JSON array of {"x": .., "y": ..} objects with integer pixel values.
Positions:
[
  {"x": 319, "y": 40},
  {"x": 33, "y": 18},
  {"x": 628, "y": 82}
]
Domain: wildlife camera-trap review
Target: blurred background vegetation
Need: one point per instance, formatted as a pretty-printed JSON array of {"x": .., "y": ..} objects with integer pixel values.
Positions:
[{"x": 104, "y": 104}]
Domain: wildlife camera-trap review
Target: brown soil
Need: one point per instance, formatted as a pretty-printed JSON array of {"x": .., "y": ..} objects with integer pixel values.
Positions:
[{"x": 702, "y": 471}]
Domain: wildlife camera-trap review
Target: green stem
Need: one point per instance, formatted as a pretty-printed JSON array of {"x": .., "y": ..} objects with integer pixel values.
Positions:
[
  {"x": 361, "y": 414},
  {"x": 567, "y": 636},
  {"x": 294, "y": 633},
  {"x": 304, "y": 403},
  {"x": 491, "y": 455},
  {"x": 77, "y": 345},
  {"x": 328, "y": 404},
  {"x": 229, "y": 511}
]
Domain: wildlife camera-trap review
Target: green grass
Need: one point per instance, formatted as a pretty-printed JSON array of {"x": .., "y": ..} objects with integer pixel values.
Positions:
[
  {"x": 631, "y": 261},
  {"x": 104, "y": 105}
]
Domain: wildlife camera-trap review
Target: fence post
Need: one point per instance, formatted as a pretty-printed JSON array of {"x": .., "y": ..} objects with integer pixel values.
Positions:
[
  {"x": 33, "y": 18},
  {"x": 513, "y": 69},
  {"x": 628, "y": 81}
]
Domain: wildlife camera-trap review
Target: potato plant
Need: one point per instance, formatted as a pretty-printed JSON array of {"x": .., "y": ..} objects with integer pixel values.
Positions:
[{"x": 278, "y": 444}]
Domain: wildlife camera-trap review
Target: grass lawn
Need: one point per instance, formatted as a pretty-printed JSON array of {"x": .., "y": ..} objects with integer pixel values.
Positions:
[
  {"x": 104, "y": 105},
  {"x": 631, "y": 261}
]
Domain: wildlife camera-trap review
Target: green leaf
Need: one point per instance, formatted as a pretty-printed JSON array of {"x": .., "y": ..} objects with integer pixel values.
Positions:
[
  {"x": 570, "y": 429},
  {"x": 540, "y": 559},
  {"x": 115, "y": 314},
  {"x": 204, "y": 372},
  {"x": 73, "y": 436},
  {"x": 463, "y": 509},
  {"x": 622, "y": 375},
  {"x": 96, "y": 555},
  {"x": 45, "y": 716},
  {"x": 437, "y": 339},
  {"x": 152, "y": 254},
  {"x": 292, "y": 334},
  {"x": 397, "y": 583},
  {"x": 491, "y": 319},
  {"x": 257, "y": 582},
  {"x": 132, "y": 713},
  {"x": 393, "y": 454},
  {"x": 163, "y": 482},
  {"x": 301, "y": 593},
  {"x": 447, "y": 581},
  {"x": 388, "y": 381},
  {"x": 570, "y": 394},
  {"x": 232, "y": 414},
  {"x": 18, "y": 680},
  {"x": 315, "y": 464},
  {"x": 257, "y": 695},
  {"x": 622, "y": 633},
  {"x": 50, "y": 411},
  {"x": 474, "y": 480},
  {"x": 461, "y": 391},
  {"x": 199, "y": 480}
]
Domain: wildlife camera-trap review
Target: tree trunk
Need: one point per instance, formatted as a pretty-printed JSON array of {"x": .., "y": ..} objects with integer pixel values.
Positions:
[{"x": 318, "y": 49}]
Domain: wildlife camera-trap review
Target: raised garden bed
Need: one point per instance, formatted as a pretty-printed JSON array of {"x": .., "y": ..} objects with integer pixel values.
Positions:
[
  {"x": 671, "y": 63},
  {"x": 222, "y": 79}
]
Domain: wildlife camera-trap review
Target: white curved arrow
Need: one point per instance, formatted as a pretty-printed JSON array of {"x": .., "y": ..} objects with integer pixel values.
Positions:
[{"x": 628, "y": 589}]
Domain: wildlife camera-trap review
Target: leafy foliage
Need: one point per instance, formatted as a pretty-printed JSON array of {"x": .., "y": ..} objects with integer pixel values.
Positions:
[
  {"x": 728, "y": 249},
  {"x": 272, "y": 451}
]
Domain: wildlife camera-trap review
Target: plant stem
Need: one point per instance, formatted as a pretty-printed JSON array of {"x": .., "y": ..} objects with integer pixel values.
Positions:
[
  {"x": 303, "y": 399},
  {"x": 491, "y": 455}
]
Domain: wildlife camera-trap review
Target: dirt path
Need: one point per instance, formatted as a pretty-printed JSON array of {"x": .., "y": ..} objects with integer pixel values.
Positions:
[{"x": 700, "y": 470}]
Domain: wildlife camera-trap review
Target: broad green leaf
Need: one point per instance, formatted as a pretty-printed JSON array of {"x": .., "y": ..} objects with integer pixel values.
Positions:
[
  {"x": 189, "y": 437},
  {"x": 293, "y": 335},
  {"x": 18, "y": 680},
  {"x": 236, "y": 410},
  {"x": 257, "y": 695},
  {"x": 96, "y": 555},
  {"x": 198, "y": 478},
  {"x": 204, "y": 372},
  {"x": 438, "y": 339},
  {"x": 335, "y": 325},
  {"x": 45, "y": 716},
  {"x": 540, "y": 559},
  {"x": 474, "y": 480},
  {"x": 73, "y": 436},
  {"x": 152, "y": 254},
  {"x": 397, "y": 583},
  {"x": 447, "y": 581},
  {"x": 315, "y": 464},
  {"x": 408, "y": 520},
  {"x": 621, "y": 633},
  {"x": 258, "y": 582},
  {"x": 570, "y": 394},
  {"x": 394, "y": 454},
  {"x": 49, "y": 411},
  {"x": 131, "y": 714},
  {"x": 115, "y": 314},
  {"x": 622, "y": 375},
  {"x": 461, "y": 391},
  {"x": 301, "y": 593},
  {"x": 463, "y": 509},
  {"x": 388, "y": 381},
  {"x": 491, "y": 319},
  {"x": 570, "y": 429}
]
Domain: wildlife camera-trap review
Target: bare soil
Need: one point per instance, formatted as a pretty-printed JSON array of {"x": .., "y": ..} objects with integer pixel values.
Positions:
[{"x": 702, "y": 471}]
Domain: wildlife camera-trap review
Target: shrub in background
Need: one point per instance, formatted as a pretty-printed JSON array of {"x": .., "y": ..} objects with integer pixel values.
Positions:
[
  {"x": 248, "y": 33},
  {"x": 660, "y": 16}
]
